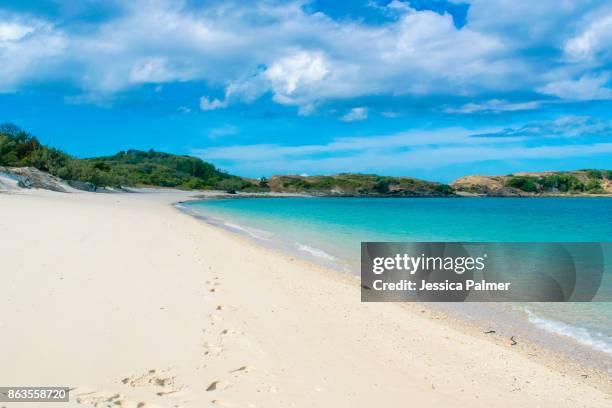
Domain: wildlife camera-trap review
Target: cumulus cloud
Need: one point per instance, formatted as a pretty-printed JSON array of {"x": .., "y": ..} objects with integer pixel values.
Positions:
[
  {"x": 587, "y": 87},
  {"x": 594, "y": 39},
  {"x": 252, "y": 48},
  {"x": 289, "y": 75},
  {"x": 153, "y": 70},
  {"x": 207, "y": 104},
  {"x": 249, "y": 49},
  {"x": 26, "y": 47},
  {"x": 13, "y": 31}
]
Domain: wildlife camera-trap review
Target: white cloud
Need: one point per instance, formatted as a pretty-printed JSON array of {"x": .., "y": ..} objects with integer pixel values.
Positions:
[
  {"x": 412, "y": 150},
  {"x": 307, "y": 109},
  {"x": 563, "y": 127},
  {"x": 344, "y": 145},
  {"x": 588, "y": 87},
  {"x": 494, "y": 106},
  {"x": 248, "y": 49},
  {"x": 593, "y": 39},
  {"x": 26, "y": 46},
  {"x": 13, "y": 31},
  {"x": 207, "y": 104},
  {"x": 300, "y": 58},
  {"x": 355, "y": 114},
  {"x": 152, "y": 70},
  {"x": 289, "y": 74}
]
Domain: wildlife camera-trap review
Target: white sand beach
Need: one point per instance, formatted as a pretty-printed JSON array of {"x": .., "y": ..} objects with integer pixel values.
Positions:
[{"x": 135, "y": 304}]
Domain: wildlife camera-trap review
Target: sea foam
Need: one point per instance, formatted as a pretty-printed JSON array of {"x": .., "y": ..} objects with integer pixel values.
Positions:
[
  {"x": 582, "y": 335},
  {"x": 316, "y": 252},
  {"x": 254, "y": 233}
]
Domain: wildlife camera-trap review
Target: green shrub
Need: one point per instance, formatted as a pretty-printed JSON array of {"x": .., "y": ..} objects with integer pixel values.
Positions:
[
  {"x": 127, "y": 168},
  {"x": 444, "y": 189},
  {"x": 594, "y": 187},
  {"x": 525, "y": 183},
  {"x": 563, "y": 182},
  {"x": 595, "y": 174},
  {"x": 231, "y": 185},
  {"x": 381, "y": 186}
]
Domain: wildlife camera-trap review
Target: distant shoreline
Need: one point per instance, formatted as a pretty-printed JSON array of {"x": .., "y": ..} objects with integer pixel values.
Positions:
[
  {"x": 56, "y": 170},
  {"x": 559, "y": 352}
]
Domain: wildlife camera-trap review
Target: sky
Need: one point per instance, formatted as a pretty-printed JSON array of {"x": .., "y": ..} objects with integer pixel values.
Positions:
[{"x": 434, "y": 89}]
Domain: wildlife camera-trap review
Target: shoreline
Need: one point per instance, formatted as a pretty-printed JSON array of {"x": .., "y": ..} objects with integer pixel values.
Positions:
[
  {"x": 546, "y": 347},
  {"x": 132, "y": 302}
]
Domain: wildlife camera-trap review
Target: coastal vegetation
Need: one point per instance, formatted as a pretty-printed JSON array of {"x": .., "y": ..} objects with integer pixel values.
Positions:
[
  {"x": 587, "y": 181},
  {"x": 358, "y": 184},
  {"x": 127, "y": 168},
  {"x": 136, "y": 168},
  {"x": 579, "y": 182},
  {"x": 151, "y": 168}
]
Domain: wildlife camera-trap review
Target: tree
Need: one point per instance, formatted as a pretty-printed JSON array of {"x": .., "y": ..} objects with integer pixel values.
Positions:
[
  {"x": 263, "y": 183},
  {"x": 230, "y": 185}
]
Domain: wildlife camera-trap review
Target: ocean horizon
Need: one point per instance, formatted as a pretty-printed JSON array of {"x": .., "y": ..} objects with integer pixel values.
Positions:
[{"x": 329, "y": 230}]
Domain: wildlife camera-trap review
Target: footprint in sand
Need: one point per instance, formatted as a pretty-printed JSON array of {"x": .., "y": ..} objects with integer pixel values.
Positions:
[
  {"x": 116, "y": 400},
  {"x": 144, "y": 404},
  {"x": 152, "y": 377},
  {"x": 157, "y": 378},
  {"x": 213, "y": 349},
  {"x": 228, "y": 332},
  {"x": 218, "y": 385},
  {"x": 227, "y": 308},
  {"x": 98, "y": 400},
  {"x": 242, "y": 370}
]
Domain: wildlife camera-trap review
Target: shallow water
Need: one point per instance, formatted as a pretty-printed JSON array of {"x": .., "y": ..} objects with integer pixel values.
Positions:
[{"x": 330, "y": 231}]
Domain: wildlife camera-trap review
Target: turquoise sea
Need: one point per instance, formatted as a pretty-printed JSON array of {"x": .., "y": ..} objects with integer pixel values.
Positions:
[{"x": 330, "y": 230}]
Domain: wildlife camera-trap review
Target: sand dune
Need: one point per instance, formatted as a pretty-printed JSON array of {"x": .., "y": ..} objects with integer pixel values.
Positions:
[{"x": 135, "y": 304}]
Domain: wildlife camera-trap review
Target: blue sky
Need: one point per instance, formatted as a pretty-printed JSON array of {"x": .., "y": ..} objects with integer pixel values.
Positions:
[{"x": 429, "y": 88}]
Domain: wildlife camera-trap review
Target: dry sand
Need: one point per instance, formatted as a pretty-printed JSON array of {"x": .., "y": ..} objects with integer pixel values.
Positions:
[{"x": 134, "y": 303}]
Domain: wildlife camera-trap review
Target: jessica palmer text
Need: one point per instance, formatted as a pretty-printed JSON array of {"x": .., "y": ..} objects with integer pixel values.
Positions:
[{"x": 407, "y": 285}]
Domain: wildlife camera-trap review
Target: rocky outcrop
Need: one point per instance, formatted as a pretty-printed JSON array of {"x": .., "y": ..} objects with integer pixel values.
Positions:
[
  {"x": 484, "y": 185},
  {"x": 550, "y": 183},
  {"x": 14, "y": 178}
]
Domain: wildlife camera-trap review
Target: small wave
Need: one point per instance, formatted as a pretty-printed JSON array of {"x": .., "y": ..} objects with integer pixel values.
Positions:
[
  {"x": 595, "y": 340},
  {"x": 315, "y": 252},
  {"x": 255, "y": 233}
]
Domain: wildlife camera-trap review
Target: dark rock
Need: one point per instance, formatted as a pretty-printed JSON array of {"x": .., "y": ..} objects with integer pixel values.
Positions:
[{"x": 82, "y": 185}]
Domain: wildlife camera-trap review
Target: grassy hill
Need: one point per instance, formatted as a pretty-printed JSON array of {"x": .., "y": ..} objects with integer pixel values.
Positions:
[
  {"x": 131, "y": 168},
  {"x": 579, "y": 182},
  {"x": 150, "y": 168},
  {"x": 350, "y": 184}
]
